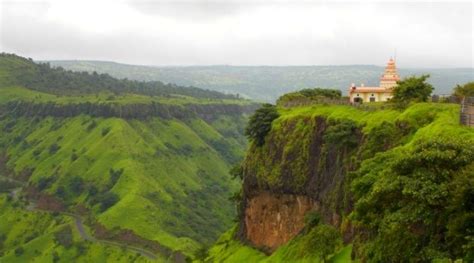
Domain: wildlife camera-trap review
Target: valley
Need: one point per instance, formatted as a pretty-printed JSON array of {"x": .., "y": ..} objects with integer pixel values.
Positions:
[
  {"x": 147, "y": 170},
  {"x": 93, "y": 168}
]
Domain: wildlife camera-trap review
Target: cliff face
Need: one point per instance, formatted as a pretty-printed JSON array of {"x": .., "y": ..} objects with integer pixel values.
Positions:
[
  {"x": 272, "y": 220},
  {"x": 302, "y": 167}
]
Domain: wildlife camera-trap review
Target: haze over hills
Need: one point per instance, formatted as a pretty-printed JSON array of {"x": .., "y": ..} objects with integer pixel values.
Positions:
[{"x": 267, "y": 83}]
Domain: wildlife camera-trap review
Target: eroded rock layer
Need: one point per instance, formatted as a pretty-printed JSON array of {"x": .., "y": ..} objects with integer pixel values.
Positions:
[{"x": 272, "y": 220}]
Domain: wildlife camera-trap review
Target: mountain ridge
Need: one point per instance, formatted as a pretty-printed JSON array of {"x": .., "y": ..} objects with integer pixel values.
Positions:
[{"x": 267, "y": 83}]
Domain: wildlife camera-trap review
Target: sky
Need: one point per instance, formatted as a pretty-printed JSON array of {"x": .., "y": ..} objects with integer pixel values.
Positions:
[{"x": 212, "y": 32}]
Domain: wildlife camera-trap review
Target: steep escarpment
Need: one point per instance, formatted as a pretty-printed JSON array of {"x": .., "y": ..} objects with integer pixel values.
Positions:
[
  {"x": 106, "y": 109},
  {"x": 302, "y": 167},
  {"x": 386, "y": 184}
]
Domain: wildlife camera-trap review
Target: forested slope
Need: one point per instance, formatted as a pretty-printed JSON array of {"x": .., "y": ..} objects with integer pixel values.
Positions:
[{"x": 143, "y": 163}]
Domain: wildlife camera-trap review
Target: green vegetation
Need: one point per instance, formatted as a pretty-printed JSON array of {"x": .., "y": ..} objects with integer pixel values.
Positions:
[
  {"x": 322, "y": 243},
  {"x": 154, "y": 165},
  {"x": 42, "y": 77},
  {"x": 308, "y": 95},
  {"x": 412, "y": 89},
  {"x": 410, "y": 197},
  {"x": 466, "y": 90},
  {"x": 260, "y": 123},
  {"x": 267, "y": 83},
  {"x": 406, "y": 172},
  {"x": 28, "y": 236}
]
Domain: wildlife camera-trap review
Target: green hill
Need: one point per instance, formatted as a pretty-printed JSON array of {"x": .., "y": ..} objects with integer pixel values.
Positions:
[
  {"x": 267, "y": 83},
  {"x": 145, "y": 164},
  {"x": 378, "y": 183}
]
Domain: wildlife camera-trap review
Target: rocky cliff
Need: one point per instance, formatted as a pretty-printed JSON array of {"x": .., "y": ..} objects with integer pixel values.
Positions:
[
  {"x": 302, "y": 167},
  {"x": 332, "y": 182}
]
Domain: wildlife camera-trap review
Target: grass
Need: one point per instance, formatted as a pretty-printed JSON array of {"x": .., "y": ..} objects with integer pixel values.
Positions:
[
  {"x": 229, "y": 250},
  {"x": 34, "y": 233},
  {"x": 168, "y": 165}
]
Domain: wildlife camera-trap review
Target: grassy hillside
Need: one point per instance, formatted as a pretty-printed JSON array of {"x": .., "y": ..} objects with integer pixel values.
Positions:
[
  {"x": 35, "y": 236},
  {"x": 267, "y": 83},
  {"x": 390, "y": 182},
  {"x": 165, "y": 179}
]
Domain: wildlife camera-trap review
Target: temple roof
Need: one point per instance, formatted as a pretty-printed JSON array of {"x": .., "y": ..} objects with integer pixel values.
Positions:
[{"x": 390, "y": 73}]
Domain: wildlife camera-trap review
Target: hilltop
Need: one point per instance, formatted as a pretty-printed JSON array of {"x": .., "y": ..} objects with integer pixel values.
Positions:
[
  {"x": 267, "y": 83},
  {"x": 340, "y": 183}
]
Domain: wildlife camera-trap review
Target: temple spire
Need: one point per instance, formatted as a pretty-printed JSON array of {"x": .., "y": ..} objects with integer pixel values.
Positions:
[{"x": 390, "y": 76}]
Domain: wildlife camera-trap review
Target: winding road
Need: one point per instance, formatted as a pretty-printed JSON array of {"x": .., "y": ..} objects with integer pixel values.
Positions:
[{"x": 83, "y": 232}]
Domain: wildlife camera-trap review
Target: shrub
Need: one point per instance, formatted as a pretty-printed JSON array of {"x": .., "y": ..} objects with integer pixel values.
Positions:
[
  {"x": 53, "y": 148},
  {"x": 260, "y": 123},
  {"x": 308, "y": 95},
  {"x": 466, "y": 90},
  {"x": 322, "y": 241},
  {"x": 19, "y": 251},
  {"x": 407, "y": 199},
  {"x": 91, "y": 126},
  {"x": 312, "y": 219},
  {"x": 115, "y": 175},
  {"x": 412, "y": 89},
  {"x": 237, "y": 171},
  {"x": 74, "y": 156},
  {"x": 342, "y": 133},
  {"x": 107, "y": 200},
  {"x": 105, "y": 131},
  {"x": 64, "y": 237},
  {"x": 36, "y": 152},
  {"x": 76, "y": 184},
  {"x": 45, "y": 182},
  {"x": 60, "y": 192}
]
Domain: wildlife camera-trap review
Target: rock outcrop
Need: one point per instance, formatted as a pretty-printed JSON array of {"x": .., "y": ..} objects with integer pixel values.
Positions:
[{"x": 301, "y": 167}]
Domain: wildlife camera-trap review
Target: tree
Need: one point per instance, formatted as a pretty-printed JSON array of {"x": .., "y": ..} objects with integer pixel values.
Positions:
[
  {"x": 414, "y": 203},
  {"x": 237, "y": 171},
  {"x": 76, "y": 184},
  {"x": 322, "y": 241},
  {"x": 107, "y": 200},
  {"x": 19, "y": 251},
  {"x": 260, "y": 123},
  {"x": 466, "y": 90},
  {"x": 412, "y": 89}
]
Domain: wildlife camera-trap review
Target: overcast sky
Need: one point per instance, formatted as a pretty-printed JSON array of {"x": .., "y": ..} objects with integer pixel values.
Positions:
[{"x": 203, "y": 32}]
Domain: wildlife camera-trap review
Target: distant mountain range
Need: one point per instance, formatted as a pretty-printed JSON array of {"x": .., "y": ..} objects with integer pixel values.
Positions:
[{"x": 267, "y": 83}]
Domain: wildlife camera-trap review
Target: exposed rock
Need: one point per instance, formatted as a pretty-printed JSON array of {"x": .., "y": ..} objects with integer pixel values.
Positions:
[
  {"x": 296, "y": 171},
  {"x": 272, "y": 220}
]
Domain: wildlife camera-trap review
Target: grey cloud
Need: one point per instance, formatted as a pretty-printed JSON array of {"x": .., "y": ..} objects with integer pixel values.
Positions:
[{"x": 29, "y": 34}]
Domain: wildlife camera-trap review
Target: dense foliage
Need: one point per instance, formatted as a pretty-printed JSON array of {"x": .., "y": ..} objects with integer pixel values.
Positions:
[
  {"x": 260, "y": 123},
  {"x": 308, "y": 95},
  {"x": 45, "y": 78},
  {"x": 466, "y": 90},
  {"x": 416, "y": 203},
  {"x": 412, "y": 89},
  {"x": 407, "y": 173}
]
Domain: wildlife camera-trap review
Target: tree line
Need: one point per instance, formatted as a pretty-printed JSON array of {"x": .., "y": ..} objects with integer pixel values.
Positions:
[
  {"x": 57, "y": 80},
  {"x": 127, "y": 111}
]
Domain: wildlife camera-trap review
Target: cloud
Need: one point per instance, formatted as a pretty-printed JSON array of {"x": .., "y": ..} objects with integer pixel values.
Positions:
[{"x": 241, "y": 32}]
